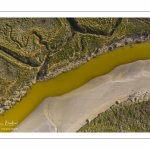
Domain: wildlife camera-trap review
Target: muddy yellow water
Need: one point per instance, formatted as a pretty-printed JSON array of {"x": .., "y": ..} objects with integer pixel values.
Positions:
[{"x": 71, "y": 80}]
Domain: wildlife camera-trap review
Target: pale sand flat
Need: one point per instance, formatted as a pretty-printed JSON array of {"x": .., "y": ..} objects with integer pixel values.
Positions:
[{"x": 68, "y": 113}]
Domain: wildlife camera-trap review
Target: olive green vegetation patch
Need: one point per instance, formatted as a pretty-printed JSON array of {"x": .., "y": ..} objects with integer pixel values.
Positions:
[
  {"x": 130, "y": 26},
  {"x": 33, "y": 37},
  {"x": 128, "y": 117},
  {"x": 81, "y": 45},
  {"x": 13, "y": 75},
  {"x": 67, "y": 53}
]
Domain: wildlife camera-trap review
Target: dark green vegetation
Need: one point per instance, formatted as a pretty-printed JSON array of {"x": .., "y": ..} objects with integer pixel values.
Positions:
[
  {"x": 33, "y": 48},
  {"x": 128, "y": 117}
]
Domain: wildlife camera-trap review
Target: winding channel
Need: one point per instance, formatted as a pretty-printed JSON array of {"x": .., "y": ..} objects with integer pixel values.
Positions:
[{"x": 71, "y": 80}]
